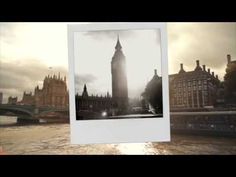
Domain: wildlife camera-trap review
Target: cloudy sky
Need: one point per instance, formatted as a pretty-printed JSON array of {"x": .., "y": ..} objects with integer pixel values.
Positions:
[
  {"x": 27, "y": 50},
  {"x": 94, "y": 52}
]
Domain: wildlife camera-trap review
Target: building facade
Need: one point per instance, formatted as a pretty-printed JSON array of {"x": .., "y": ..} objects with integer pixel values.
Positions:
[
  {"x": 193, "y": 89},
  {"x": 119, "y": 79},
  {"x": 27, "y": 99},
  {"x": 53, "y": 93}
]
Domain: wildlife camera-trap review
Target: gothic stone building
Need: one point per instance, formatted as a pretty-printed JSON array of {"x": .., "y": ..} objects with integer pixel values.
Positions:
[
  {"x": 53, "y": 93},
  {"x": 193, "y": 89},
  {"x": 93, "y": 103},
  {"x": 27, "y": 99}
]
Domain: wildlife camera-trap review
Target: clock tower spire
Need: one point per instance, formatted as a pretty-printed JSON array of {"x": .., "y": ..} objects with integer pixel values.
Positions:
[{"x": 119, "y": 79}]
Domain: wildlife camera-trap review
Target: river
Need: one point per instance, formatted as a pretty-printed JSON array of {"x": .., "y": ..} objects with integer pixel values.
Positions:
[{"x": 54, "y": 139}]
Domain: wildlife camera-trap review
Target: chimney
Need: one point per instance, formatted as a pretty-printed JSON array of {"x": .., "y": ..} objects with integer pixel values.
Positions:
[
  {"x": 217, "y": 77},
  {"x": 155, "y": 72},
  {"x": 229, "y": 58},
  {"x": 209, "y": 70},
  {"x": 197, "y": 63},
  {"x": 181, "y": 66},
  {"x": 204, "y": 67},
  {"x": 213, "y": 74}
]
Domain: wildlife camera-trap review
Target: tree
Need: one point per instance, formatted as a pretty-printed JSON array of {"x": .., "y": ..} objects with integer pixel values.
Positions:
[
  {"x": 230, "y": 83},
  {"x": 153, "y": 94}
]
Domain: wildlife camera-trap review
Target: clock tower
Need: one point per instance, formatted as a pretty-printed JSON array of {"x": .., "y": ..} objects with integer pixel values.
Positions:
[{"x": 119, "y": 80}]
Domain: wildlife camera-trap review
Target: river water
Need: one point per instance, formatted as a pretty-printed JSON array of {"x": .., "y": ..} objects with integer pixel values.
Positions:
[{"x": 54, "y": 139}]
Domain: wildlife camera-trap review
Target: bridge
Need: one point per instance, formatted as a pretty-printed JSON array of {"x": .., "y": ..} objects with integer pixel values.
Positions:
[{"x": 30, "y": 112}]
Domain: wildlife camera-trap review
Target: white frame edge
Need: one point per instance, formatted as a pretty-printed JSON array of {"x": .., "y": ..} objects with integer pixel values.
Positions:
[{"x": 122, "y": 130}]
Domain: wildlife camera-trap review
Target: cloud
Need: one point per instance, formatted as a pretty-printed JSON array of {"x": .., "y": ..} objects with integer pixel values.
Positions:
[
  {"x": 24, "y": 75},
  {"x": 111, "y": 34},
  {"x": 87, "y": 79},
  {"x": 207, "y": 42},
  {"x": 84, "y": 79}
]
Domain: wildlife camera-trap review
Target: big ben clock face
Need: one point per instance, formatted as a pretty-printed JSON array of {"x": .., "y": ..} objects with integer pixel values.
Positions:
[{"x": 111, "y": 100}]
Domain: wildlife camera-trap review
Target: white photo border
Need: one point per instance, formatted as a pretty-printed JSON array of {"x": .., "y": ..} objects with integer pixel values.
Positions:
[{"x": 119, "y": 130}]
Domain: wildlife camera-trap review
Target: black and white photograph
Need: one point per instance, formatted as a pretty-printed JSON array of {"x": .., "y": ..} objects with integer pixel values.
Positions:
[
  {"x": 118, "y": 82},
  {"x": 118, "y": 74}
]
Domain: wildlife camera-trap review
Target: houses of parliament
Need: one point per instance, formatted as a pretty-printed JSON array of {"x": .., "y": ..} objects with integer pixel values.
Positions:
[
  {"x": 54, "y": 93},
  {"x": 118, "y": 102}
]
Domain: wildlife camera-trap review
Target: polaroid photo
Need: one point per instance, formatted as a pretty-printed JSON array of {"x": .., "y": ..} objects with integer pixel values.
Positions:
[{"x": 118, "y": 83}]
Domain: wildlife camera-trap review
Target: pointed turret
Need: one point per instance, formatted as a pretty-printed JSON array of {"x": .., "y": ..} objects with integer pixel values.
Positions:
[
  {"x": 85, "y": 92},
  {"x": 118, "y": 45}
]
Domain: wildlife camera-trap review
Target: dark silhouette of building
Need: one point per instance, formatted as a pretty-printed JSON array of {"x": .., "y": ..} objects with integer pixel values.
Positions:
[
  {"x": 54, "y": 93},
  {"x": 85, "y": 92},
  {"x": 12, "y": 100},
  {"x": 193, "y": 89},
  {"x": 230, "y": 81},
  {"x": 119, "y": 80},
  {"x": 153, "y": 95},
  {"x": 93, "y": 104},
  {"x": 1, "y": 97}
]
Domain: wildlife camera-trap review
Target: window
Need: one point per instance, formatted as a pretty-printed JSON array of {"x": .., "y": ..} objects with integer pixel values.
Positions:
[{"x": 179, "y": 84}]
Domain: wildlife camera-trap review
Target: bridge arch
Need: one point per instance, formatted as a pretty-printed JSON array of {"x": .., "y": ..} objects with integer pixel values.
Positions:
[{"x": 16, "y": 111}]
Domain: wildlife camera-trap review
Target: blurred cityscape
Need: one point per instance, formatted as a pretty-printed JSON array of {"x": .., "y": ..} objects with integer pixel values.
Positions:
[{"x": 199, "y": 101}]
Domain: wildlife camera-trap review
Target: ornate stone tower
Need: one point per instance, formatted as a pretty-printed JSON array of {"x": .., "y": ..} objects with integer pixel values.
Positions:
[{"x": 119, "y": 80}]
